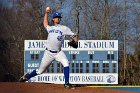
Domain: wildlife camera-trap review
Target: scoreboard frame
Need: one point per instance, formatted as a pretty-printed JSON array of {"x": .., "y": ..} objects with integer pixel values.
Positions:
[{"x": 93, "y": 62}]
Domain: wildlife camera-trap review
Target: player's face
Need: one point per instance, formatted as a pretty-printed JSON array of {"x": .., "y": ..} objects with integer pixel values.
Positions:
[{"x": 56, "y": 20}]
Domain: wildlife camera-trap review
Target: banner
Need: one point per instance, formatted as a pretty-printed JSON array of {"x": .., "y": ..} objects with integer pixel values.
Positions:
[{"x": 77, "y": 78}]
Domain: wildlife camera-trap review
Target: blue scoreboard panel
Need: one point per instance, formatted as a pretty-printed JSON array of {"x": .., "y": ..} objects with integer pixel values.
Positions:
[{"x": 93, "y": 62}]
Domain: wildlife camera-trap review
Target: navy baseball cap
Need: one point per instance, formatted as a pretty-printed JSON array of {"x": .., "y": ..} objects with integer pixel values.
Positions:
[{"x": 57, "y": 15}]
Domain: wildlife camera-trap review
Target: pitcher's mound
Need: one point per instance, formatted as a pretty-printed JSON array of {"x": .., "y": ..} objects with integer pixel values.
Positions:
[{"x": 16, "y": 87}]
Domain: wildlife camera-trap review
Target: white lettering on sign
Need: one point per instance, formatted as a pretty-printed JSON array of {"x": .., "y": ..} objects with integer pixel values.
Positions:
[
  {"x": 34, "y": 52},
  {"x": 29, "y": 70},
  {"x": 78, "y": 78},
  {"x": 92, "y": 79},
  {"x": 90, "y": 52},
  {"x": 43, "y": 78},
  {"x": 82, "y": 45},
  {"x": 36, "y": 44},
  {"x": 93, "y": 45},
  {"x": 33, "y": 64},
  {"x": 73, "y": 52}
]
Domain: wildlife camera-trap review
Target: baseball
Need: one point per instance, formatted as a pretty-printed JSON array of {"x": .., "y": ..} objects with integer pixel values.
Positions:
[{"x": 48, "y": 9}]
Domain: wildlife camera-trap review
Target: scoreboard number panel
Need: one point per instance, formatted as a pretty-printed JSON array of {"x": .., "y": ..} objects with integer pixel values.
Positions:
[{"x": 93, "y": 62}]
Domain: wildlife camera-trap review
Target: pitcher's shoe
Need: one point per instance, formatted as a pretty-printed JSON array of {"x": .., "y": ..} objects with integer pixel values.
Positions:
[
  {"x": 24, "y": 78},
  {"x": 69, "y": 86}
]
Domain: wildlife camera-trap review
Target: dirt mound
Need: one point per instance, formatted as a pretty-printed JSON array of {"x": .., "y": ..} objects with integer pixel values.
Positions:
[{"x": 16, "y": 87}]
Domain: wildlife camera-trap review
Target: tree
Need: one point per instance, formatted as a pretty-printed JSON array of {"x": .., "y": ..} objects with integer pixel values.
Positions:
[{"x": 20, "y": 22}]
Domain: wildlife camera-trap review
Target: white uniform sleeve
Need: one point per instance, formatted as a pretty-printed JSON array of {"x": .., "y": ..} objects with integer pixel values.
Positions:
[
  {"x": 48, "y": 28},
  {"x": 68, "y": 32}
]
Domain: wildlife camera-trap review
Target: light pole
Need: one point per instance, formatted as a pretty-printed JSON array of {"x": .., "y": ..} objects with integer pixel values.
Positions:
[{"x": 124, "y": 41}]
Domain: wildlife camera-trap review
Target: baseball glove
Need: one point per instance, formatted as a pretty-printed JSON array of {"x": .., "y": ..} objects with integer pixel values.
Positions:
[{"x": 73, "y": 44}]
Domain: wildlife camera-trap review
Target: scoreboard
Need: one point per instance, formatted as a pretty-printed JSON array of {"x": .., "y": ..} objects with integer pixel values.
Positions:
[{"x": 93, "y": 62}]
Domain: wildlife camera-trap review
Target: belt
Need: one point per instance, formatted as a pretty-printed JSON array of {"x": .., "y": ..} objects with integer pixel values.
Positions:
[{"x": 52, "y": 51}]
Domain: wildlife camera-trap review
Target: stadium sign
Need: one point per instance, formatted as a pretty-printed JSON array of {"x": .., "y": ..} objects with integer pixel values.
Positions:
[{"x": 93, "y": 62}]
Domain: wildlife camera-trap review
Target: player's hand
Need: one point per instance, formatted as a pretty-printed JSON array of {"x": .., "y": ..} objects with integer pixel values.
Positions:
[{"x": 48, "y": 9}]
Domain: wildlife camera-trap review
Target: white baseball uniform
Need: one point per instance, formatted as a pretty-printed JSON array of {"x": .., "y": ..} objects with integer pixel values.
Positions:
[{"x": 56, "y": 35}]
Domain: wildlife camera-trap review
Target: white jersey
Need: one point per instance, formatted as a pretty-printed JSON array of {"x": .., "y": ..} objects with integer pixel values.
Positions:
[{"x": 56, "y": 35}]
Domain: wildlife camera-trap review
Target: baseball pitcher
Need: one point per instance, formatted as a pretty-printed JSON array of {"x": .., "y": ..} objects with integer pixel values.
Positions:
[{"x": 56, "y": 35}]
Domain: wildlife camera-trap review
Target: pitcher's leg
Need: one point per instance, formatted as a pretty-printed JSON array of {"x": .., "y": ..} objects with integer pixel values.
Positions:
[
  {"x": 66, "y": 74},
  {"x": 61, "y": 57},
  {"x": 46, "y": 60}
]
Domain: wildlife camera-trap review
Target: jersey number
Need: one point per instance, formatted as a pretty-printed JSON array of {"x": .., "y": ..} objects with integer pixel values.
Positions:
[{"x": 59, "y": 38}]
